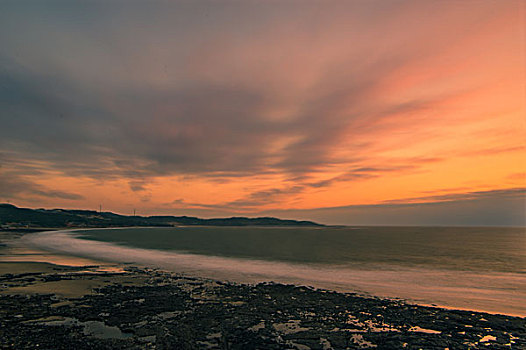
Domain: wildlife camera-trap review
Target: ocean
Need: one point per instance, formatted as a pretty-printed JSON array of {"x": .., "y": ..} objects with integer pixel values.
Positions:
[{"x": 472, "y": 268}]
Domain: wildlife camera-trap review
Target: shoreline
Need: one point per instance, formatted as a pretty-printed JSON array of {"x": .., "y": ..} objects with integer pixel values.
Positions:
[
  {"x": 63, "y": 307},
  {"x": 59, "y": 261},
  {"x": 39, "y": 254},
  {"x": 94, "y": 304}
]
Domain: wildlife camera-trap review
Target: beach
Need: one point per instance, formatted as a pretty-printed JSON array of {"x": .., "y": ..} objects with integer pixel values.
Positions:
[
  {"x": 91, "y": 304},
  {"x": 451, "y": 267},
  {"x": 262, "y": 175}
]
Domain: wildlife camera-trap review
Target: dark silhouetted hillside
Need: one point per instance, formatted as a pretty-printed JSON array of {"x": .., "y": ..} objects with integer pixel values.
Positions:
[{"x": 12, "y": 216}]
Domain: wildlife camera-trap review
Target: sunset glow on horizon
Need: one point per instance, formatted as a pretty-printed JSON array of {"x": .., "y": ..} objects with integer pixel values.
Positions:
[{"x": 338, "y": 111}]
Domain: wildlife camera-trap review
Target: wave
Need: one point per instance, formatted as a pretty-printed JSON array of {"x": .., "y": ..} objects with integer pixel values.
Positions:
[{"x": 490, "y": 292}]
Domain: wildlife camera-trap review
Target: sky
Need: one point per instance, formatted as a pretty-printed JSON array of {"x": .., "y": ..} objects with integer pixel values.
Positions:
[{"x": 344, "y": 112}]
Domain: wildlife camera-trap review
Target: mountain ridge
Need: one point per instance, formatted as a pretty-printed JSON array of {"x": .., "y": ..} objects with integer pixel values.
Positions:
[{"x": 12, "y": 216}]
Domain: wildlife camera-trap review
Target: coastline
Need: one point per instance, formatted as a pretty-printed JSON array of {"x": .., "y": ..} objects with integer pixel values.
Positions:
[
  {"x": 92, "y": 304},
  {"x": 63, "y": 307},
  {"x": 490, "y": 292}
]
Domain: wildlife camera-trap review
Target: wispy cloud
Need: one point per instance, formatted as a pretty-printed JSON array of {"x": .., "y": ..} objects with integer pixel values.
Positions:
[
  {"x": 12, "y": 187},
  {"x": 269, "y": 103},
  {"x": 502, "y": 207},
  {"x": 464, "y": 196}
]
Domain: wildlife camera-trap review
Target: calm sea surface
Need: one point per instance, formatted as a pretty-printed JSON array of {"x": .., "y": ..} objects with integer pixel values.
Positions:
[{"x": 469, "y": 267}]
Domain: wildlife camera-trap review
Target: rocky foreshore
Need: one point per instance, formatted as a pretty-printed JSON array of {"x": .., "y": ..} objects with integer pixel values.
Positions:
[{"x": 147, "y": 309}]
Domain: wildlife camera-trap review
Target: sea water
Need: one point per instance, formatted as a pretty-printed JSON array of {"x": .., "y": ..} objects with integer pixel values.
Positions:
[{"x": 474, "y": 268}]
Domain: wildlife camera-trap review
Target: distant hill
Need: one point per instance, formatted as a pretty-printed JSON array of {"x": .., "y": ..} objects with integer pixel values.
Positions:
[{"x": 14, "y": 217}]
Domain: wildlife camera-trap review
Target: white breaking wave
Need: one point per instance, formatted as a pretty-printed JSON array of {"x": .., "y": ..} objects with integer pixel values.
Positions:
[{"x": 491, "y": 292}]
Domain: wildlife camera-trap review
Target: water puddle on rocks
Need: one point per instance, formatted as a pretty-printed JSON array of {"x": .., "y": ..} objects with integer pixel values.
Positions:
[{"x": 96, "y": 329}]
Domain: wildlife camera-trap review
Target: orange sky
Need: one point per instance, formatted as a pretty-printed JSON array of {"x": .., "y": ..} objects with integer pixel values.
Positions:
[{"x": 223, "y": 108}]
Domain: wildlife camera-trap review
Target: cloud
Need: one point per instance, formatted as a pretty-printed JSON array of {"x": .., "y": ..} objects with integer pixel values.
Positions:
[
  {"x": 201, "y": 129},
  {"x": 513, "y": 192},
  {"x": 258, "y": 198},
  {"x": 520, "y": 177},
  {"x": 501, "y": 207},
  {"x": 493, "y": 151},
  {"x": 363, "y": 173},
  {"x": 178, "y": 120},
  {"x": 247, "y": 203},
  {"x": 307, "y": 96},
  {"x": 180, "y": 203},
  {"x": 294, "y": 188},
  {"x": 13, "y": 187}
]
